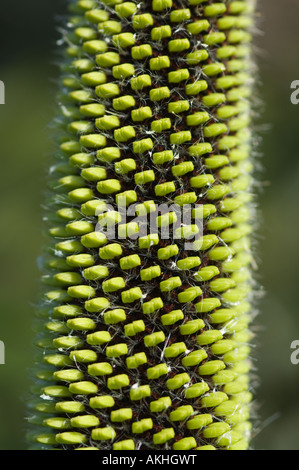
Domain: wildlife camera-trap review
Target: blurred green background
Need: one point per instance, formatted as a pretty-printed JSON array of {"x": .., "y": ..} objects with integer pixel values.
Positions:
[{"x": 28, "y": 34}]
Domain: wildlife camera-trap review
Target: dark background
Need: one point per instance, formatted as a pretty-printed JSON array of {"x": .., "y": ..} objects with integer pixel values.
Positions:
[{"x": 28, "y": 32}]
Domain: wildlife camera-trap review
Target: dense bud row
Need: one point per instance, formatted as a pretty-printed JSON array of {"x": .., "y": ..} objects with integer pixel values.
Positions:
[{"x": 144, "y": 339}]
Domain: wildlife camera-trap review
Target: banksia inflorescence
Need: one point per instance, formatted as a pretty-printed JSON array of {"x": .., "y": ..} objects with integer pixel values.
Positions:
[{"x": 144, "y": 338}]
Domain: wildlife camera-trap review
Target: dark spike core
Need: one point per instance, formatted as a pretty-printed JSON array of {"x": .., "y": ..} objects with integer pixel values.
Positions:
[{"x": 144, "y": 336}]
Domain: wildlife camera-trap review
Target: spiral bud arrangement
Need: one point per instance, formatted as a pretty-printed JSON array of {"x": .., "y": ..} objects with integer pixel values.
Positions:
[{"x": 144, "y": 340}]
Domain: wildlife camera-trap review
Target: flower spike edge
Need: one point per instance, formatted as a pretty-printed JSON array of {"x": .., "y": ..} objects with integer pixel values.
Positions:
[{"x": 144, "y": 341}]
